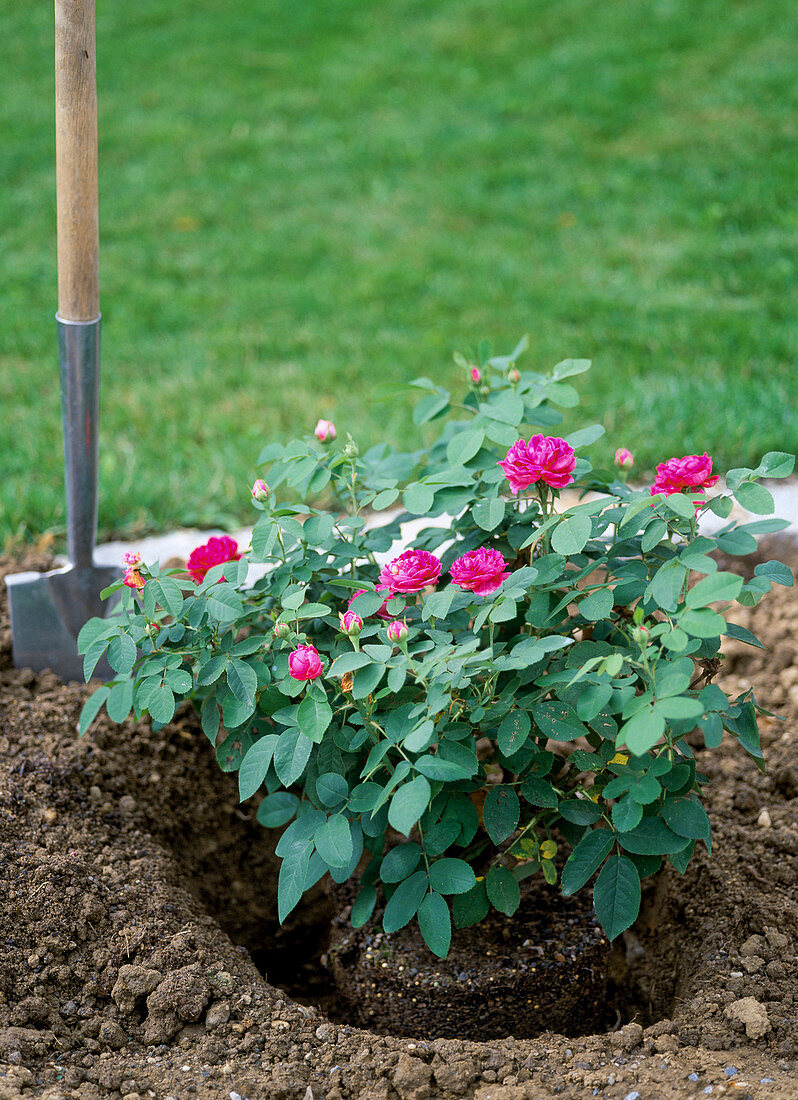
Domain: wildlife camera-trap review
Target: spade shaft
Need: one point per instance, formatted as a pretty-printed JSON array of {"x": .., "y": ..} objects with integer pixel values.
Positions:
[{"x": 48, "y": 609}]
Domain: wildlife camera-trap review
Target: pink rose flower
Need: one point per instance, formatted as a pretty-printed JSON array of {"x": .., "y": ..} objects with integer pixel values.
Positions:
[
  {"x": 480, "y": 571},
  {"x": 397, "y": 631},
  {"x": 261, "y": 491},
  {"x": 213, "y": 552},
  {"x": 544, "y": 458},
  {"x": 693, "y": 472},
  {"x": 325, "y": 431},
  {"x": 131, "y": 561},
  {"x": 411, "y": 571},
  {"x": 624, "y": 459},
  {"x": 133, "y": 579},
  {"x": 382, "y": 613},
  {"x": 305, "y": 663},
  {"x": 351, "y": 623},
  {"x": 475, "y": 375}
]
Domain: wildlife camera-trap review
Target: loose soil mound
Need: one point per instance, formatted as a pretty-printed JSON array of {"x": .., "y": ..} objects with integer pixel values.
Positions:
[{"x": 130, "y": 874}]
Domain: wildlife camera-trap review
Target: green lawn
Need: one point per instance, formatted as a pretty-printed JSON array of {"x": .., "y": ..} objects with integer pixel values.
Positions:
[{"x": 303, "y": 202}]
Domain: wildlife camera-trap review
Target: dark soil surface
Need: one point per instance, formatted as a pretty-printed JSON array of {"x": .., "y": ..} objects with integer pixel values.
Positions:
[
  {"x": 546, "y": 970},
  {"x": 136, "y": 893}
]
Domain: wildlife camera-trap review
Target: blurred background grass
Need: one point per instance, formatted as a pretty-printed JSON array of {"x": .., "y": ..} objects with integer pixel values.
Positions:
[{"x": 301, "y": 203}]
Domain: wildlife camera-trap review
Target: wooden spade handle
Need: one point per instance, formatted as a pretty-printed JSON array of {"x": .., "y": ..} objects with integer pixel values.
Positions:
[{"x": 76, "y": 160}]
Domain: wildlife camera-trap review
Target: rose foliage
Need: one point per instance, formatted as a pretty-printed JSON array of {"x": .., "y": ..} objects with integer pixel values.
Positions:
[{"x": 533, "y": 707}]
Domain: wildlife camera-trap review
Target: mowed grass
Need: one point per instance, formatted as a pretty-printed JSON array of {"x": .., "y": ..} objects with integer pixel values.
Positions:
[{"x": 304, "y": 206}]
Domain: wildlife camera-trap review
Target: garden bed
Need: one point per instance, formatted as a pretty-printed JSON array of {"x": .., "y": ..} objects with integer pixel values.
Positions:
[{"x": 130, "y": 945}]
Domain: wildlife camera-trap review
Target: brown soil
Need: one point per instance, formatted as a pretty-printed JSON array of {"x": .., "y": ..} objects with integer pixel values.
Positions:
[{"x": 130, "y": 874}]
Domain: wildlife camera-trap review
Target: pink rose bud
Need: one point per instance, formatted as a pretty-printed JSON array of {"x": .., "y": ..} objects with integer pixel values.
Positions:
[
  {"x": 544, "y": 458},
  {"x": 213, "y": 552},
  {"x": 480, "y": 571},
  {"x": 351, "y": 623},
  {"x": 282, "y": 630},
  {"x": 397, "y": 631},
  {"x": 411, "y": 572},
  {"x": 475, "y": 375},
  {"x": 325, "y": 431},
  {"x": 261, "y": 491},
  {"x": 514, "y": 376},
  {"x": 624, "y": 459},
  {"x": 304, "y": 663}
]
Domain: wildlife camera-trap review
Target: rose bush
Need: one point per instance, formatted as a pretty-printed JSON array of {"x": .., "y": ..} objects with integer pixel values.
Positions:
[{"x": 519, "y": 691}]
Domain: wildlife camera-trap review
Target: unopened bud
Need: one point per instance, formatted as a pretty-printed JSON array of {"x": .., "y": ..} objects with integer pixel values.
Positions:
[
  {"x": 351, "y": 450},
  {"x": 325, "y": 431},
  {"x": 624, "y": 459},
  {"x": 351, "y": 623},
  {"x": 397, "y": 631},
  {"x": 152, "y": 630},
  {"x": 514, "y": 376},
  {"x": 475, "y": 375},
  {"x": 261, "y": 491},
  {"x": 282, "y": 630}
]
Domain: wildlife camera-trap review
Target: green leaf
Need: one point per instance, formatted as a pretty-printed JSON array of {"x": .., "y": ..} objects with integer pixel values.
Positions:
[
  {"x": 715, "y": 587},
  {"x": 120, "y": 701},
  {"x": 332, "y": 789},
  {"x": 558, "y": 721},
  {"x": 210, "y": 719},
  {"x": 436, "y": 768},
  {"x": 652, "y": 837},
  {"x": 642, "y": 731},
  {"x": 404, "y": 902},
  {"x": 472, "y": 907},
  {"x": 408, "y": 804},
  {"x": 313, "y": 717},
  {"x": 571, "y": 533},
  {"x": 682, "y": 505},
  {"x": 585, "y": 859},
  {"x": 430, "y": 406},
  {"x": 291, "y": 755},
  {"x": 333, "y": 841},
  {"x": 501, "y": 812},
  {"x": 488, "y": 513},
  {"x": 243, "y": 681},
  {"x": 464, "y": 445},
  {"x": 277, "y": 809},
  {"x": 435, "y": 924},
  {"x": 224, "y": 603},
  {"x": 451, "y": 876},
  {"x": 503, "y": 890},
  {"x": 122, "y": 654},
  {"x": 363, "y": 907},
  {"x": 540, "y": 793},
  {"x": 666, "y": 585},
  {"x": 626, "y": 814},
  {"x": 366, "y": 680},
  {"x": 291, "y": 880},
  {"x": 680, "y": 860},
  {"x": 702, "y": 622},
  {"x": 687, "y": 817},
  {"x": 776, "y": 464},
  {"x": 775, "y": 571},
  {"x": 171, "y": 596},
  {"x": 91, "y": 708},
  {"x": 211, "y": 671},
  {"x": 737, "y": 543},
  {"x": 755, "y": 498},
  {"x": 255, "y": 765},
  {"x": 616, "y": 896},
  {"x": 160, "y": 701},
  {"x": 598, "y": 605},
  {"x": 513, "y": 732},
  {"x": 418, "y": 498},
  {"x": 580, "y": 811},
  {"x": 400, "y": 862}
]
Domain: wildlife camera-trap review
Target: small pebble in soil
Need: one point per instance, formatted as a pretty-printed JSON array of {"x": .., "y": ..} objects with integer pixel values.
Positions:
[
  {"x": 764, "y": 820},
  {"x": 730, "y": 1071},
  {"x": 692, "y": 1076}
]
